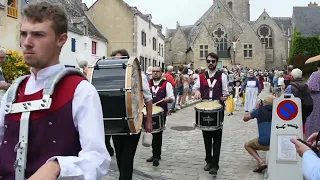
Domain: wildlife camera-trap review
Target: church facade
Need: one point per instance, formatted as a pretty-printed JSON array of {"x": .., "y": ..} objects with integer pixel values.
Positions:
[{"x": 225, "y": 28}]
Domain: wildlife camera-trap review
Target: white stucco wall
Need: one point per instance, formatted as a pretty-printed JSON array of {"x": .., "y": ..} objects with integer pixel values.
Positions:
[
  {"x": 84, "y": 47},
  {"x": 147, "y": 51},
  {"x": 161, "y": 57}
]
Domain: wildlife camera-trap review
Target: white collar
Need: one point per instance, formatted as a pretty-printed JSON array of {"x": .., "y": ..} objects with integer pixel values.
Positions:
[
  {"x": 212, "y": 73},
  {"x": 47, "y": 72},
  {"x": 156, "y": 82}
]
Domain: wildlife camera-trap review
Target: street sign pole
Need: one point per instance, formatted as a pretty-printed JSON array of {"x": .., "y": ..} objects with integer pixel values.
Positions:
[{"x": 283, "y": 160}]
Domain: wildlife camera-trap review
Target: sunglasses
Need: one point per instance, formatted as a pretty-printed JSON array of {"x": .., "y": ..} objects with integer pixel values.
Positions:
[
  {"x": 212, "y": 61},
  {"x": 156, "y": 71}
]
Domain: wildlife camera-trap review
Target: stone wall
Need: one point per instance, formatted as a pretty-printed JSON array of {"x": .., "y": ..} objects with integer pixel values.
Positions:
[
  {"x": 114, "y": 19},
  {"x": 223, "y": 17},
  {"x": 10, "y": 30},
  {"x": 279, "y": 42},
  {"x": 240, "y": 8},
  {"x": 203, "y": 38},
  {"x": 258, "y": 51},
  {"x": 177, "y": 48}
]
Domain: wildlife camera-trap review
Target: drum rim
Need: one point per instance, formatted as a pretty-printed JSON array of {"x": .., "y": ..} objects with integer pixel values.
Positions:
[
  {"x": 208, "y": 110},
  {"x": 128, "y": 97},
  {"x": 132, "y": 127}
]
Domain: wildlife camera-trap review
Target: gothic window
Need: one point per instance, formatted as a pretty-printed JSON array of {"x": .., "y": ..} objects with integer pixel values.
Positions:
[
  {"x": 230, "y": 4},
  {"x": 221, "y": 38},
  {"x": 265, "y": 34}
]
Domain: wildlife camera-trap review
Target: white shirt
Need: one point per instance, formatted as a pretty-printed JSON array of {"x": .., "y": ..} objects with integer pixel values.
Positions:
[
  {"x": 196, "y": 86},
  {"x": 280, "y": 81},
  {"x": 146, "y": 90},
  {"x": 93, "y": 160},
  {"x": 169, "y": 89}
]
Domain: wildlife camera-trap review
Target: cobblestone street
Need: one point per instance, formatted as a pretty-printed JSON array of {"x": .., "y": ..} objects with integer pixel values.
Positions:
[{"x": 183, "y": 151}]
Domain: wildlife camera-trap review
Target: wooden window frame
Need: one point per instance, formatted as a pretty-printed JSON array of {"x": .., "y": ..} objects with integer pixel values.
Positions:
[
  {"x": 246, "y": 51},
  {"x": 94, "y": 47},
  {"x": 204, "y": 50},
  {"x": 13, "y": 10}
]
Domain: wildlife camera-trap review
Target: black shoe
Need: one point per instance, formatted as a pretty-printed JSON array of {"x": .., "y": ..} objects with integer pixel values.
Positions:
[
  {"x": 213, "y": 171},
  {"x": 150, "y": 159},
  {"x": 207, "y": 167},
  {"x": 156, "y": 162}
]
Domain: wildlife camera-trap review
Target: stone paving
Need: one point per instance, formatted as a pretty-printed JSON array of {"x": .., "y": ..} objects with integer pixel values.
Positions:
[{"x": 183, "y": 151}]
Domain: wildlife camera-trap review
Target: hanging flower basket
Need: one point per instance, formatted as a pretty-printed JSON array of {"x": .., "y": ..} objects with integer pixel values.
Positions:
[{"x": 14, "y": 66}]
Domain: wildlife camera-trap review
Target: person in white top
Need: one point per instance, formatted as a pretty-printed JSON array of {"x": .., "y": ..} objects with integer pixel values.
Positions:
[
  {"x": 44, "y": 31},
  {"x": 126, "y": 145},
  {"x": 281, "y": 84}
]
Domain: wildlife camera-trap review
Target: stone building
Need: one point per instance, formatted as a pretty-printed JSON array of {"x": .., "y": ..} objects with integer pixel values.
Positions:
[
  {"x": 225, "y": 28},
  {"x": 128, "y": 28},
  {"x": 10, "y": 19}
]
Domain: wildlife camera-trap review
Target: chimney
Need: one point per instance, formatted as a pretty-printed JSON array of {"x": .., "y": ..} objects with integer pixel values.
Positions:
[{"x": 315, "y": 4}]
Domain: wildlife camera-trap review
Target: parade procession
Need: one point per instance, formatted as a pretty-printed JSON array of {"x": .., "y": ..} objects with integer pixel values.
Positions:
[{"x": 95, "y": 90}]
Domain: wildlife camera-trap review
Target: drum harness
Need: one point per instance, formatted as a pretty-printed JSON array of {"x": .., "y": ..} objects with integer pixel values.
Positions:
[
  {"x": 211, "y": 85},
  {"x": 25, "y": 108}
]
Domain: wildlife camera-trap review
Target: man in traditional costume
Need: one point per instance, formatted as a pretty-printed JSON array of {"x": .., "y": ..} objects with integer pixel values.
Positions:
[
  {"x": 162, "y": 91},
  {"x": 65, "y": 139},
  {"x": 212, "y": 85}
]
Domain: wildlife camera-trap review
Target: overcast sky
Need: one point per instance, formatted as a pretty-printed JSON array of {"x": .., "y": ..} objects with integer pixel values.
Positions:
[{"x": 187, "y": 12}]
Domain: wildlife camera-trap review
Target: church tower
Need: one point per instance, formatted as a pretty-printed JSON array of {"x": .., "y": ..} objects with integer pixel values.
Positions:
[{"x": 241, "y": 8}]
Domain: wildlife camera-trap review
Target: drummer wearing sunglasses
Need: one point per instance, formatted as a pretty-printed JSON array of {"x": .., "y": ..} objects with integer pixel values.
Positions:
[{"x": 212, "y": 85}]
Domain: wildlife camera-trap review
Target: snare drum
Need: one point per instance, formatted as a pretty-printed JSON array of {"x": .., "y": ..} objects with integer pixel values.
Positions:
[
  {"x": 209, "y": 115},
  {"x": 119, "y": 85},
  {"x": 158, "y": 123}
]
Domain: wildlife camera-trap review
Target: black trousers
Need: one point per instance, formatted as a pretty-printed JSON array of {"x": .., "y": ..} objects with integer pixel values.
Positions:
[
  {"x": 108, "y": 145},
  {"x": 212, "y": 143},
  {"x": 125, "y": 147},
  {"x": 157, "y": 143}
]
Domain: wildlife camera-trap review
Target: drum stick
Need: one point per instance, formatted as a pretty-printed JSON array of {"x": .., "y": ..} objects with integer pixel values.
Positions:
[{"x": 158, "y": 102}]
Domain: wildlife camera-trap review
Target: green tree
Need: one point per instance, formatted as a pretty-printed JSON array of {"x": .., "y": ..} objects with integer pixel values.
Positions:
[{"x": 303, "y": 48}]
